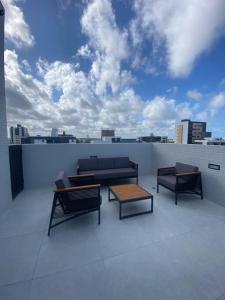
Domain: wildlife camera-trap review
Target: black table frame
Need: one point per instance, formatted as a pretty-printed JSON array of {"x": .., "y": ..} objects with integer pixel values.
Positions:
[{"x": 128, "y": 201}]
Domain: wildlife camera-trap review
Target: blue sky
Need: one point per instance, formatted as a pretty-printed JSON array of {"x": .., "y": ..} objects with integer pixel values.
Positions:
[{"x": 136, "y": 66}]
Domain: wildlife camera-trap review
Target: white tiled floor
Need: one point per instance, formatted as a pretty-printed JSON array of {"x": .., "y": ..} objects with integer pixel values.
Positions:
[{"x": 178, "y": 252}]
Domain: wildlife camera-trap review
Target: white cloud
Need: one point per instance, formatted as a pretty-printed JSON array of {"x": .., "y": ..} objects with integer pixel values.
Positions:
[
  {"x": 63, "y": 96},
  {"x": 194, "y": 94},
  {"x": 79, "y": 109},
  {"x": 108, "y": 43},
  {"x": 84, "y": 51},
  {"x": 203, "y": 116},
  {"x": 218, "y": 101},
  {"x": 187, "y": 28},
  {"x": 16, "y": 29}
]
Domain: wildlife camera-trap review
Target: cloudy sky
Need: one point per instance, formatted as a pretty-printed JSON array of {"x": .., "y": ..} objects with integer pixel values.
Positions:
[{"x": 134, "y": 65}]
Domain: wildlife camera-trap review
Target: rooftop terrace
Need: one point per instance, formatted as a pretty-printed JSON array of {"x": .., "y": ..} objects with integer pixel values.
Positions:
[{"x": 178, "y": 252}]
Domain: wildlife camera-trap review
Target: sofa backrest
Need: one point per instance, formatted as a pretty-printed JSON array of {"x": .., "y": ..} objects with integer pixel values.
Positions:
[
  {"x": 121, "y": 162},
  {"x": 89, "y": 164},
  {"x": 184, "y": 168}
]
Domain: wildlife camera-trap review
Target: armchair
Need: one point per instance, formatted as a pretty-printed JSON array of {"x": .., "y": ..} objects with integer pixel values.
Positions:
[
  {"x": 72, "y": 201},
  {"x": 182, "y": 178}
]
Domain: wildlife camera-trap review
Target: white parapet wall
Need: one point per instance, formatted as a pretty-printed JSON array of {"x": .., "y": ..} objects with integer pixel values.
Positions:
[
  {"x": 5, "y": 185},
  {"x": 41, "y": 163},
  {"x": 200, "y": 155}
]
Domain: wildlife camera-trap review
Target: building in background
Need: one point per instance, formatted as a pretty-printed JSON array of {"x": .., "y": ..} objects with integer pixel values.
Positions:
[
  {"x": 153, "y": 139},
  {"x": 124, "y": 140},
  {"x": 107, "y": 135},
  {"x": 38, "y": 139},
  {"x": 188, "y": 132},
  {"x": 210, "y": 141},
  {"x": 55, "y": 132},
  {"x": 60, "y": 138},
  {"x": 17, "y": 133}
]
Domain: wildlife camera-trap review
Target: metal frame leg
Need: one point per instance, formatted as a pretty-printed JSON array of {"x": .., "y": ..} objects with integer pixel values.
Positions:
[
  {"x": 176, "y": 198},
  {"x": 152, "y": 204},
  {"x": 52, "y": 213},
  {"x": 135, "y": 214},
  {"x": 120, "y": 210},
  {"x": 99, "y": 216}
]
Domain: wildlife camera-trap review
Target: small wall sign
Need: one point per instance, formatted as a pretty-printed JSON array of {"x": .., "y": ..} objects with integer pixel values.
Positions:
[{"x": 214, "y": 167}]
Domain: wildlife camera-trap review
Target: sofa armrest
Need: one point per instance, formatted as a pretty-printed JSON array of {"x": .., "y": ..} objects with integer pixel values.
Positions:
[
  {"x": 188, "y": 174},
  {"x": 166, "y": 171},
  {"x": 78, "y": 169},
  {"x": 133, "y": 164}
]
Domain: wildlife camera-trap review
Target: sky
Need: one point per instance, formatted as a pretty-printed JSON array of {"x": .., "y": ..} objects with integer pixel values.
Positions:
[{"x": 137, "y": 66}]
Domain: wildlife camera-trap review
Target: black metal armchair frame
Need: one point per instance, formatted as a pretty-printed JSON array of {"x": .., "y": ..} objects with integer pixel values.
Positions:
[
  {"x": 58, "y": 201},
  {"x": 189, "y": 188}
]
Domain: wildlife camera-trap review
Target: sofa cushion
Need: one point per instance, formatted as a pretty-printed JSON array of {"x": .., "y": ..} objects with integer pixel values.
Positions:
[
  {"x": 88, "y": 164},
  {"x": 105, "y": 163},
  {"x": 113, "y": 173},
  {"x": 184, "y": 168},
  {"x": 121, "y": 162}
]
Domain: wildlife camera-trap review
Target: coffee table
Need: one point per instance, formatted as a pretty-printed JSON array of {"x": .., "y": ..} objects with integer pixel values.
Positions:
[{"x": 126, "y": 193}]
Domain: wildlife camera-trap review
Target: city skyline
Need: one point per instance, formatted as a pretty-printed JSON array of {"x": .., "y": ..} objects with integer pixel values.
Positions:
[{"x": 129, "y": 65}]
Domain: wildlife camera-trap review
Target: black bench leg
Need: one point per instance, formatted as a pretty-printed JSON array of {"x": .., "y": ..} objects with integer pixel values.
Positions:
[
  {"x": 176, "y": 198},
  {"x": 52, "y": 213},
  {"x": 157, "y": 188},
  {"x": 99, "y": 216}
]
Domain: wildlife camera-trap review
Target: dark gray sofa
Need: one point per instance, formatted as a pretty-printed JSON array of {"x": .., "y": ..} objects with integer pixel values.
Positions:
[
  {"x": 108, "y": 168},
  {"x": 181, "y": 178}
]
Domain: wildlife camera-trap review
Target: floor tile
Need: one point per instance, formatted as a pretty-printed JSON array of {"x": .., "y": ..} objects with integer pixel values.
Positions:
[
  {"x": 84, "y": 283},
  {"x": 17, "y": 291},
  {"x": 72, "y": 244},
  {"x": 18, "y": 257}
]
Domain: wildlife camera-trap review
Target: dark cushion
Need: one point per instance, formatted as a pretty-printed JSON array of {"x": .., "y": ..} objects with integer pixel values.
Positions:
[
  {"x": 88, "y": 164},
  {"x": 62, "y": 181},
  {"x": 184, "y": 168},
  {"x": 169, "y": 181},
  {"x": 121, "y": 162},
  {"x": 113, "y": 173},
  {"x": 105, "y": 163},
  {"x": 83, "y": 200}
]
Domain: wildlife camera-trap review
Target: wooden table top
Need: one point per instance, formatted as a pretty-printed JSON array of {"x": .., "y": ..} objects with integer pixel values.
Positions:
[{"x": 129, "y": 192}]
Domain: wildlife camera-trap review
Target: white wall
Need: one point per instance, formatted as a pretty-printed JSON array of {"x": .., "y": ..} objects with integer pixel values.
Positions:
[
  {"x": 5, "y": 185},
  {"x": 41, "y": 163},
  {"x": 200, "y": 155}
]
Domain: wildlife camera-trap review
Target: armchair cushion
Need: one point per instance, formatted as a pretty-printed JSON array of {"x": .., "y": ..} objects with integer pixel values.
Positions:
[
  {"x": 184, "y": 168},
  {"x": 169, "y": 181},
  {"x": 62, "y": 181}
]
